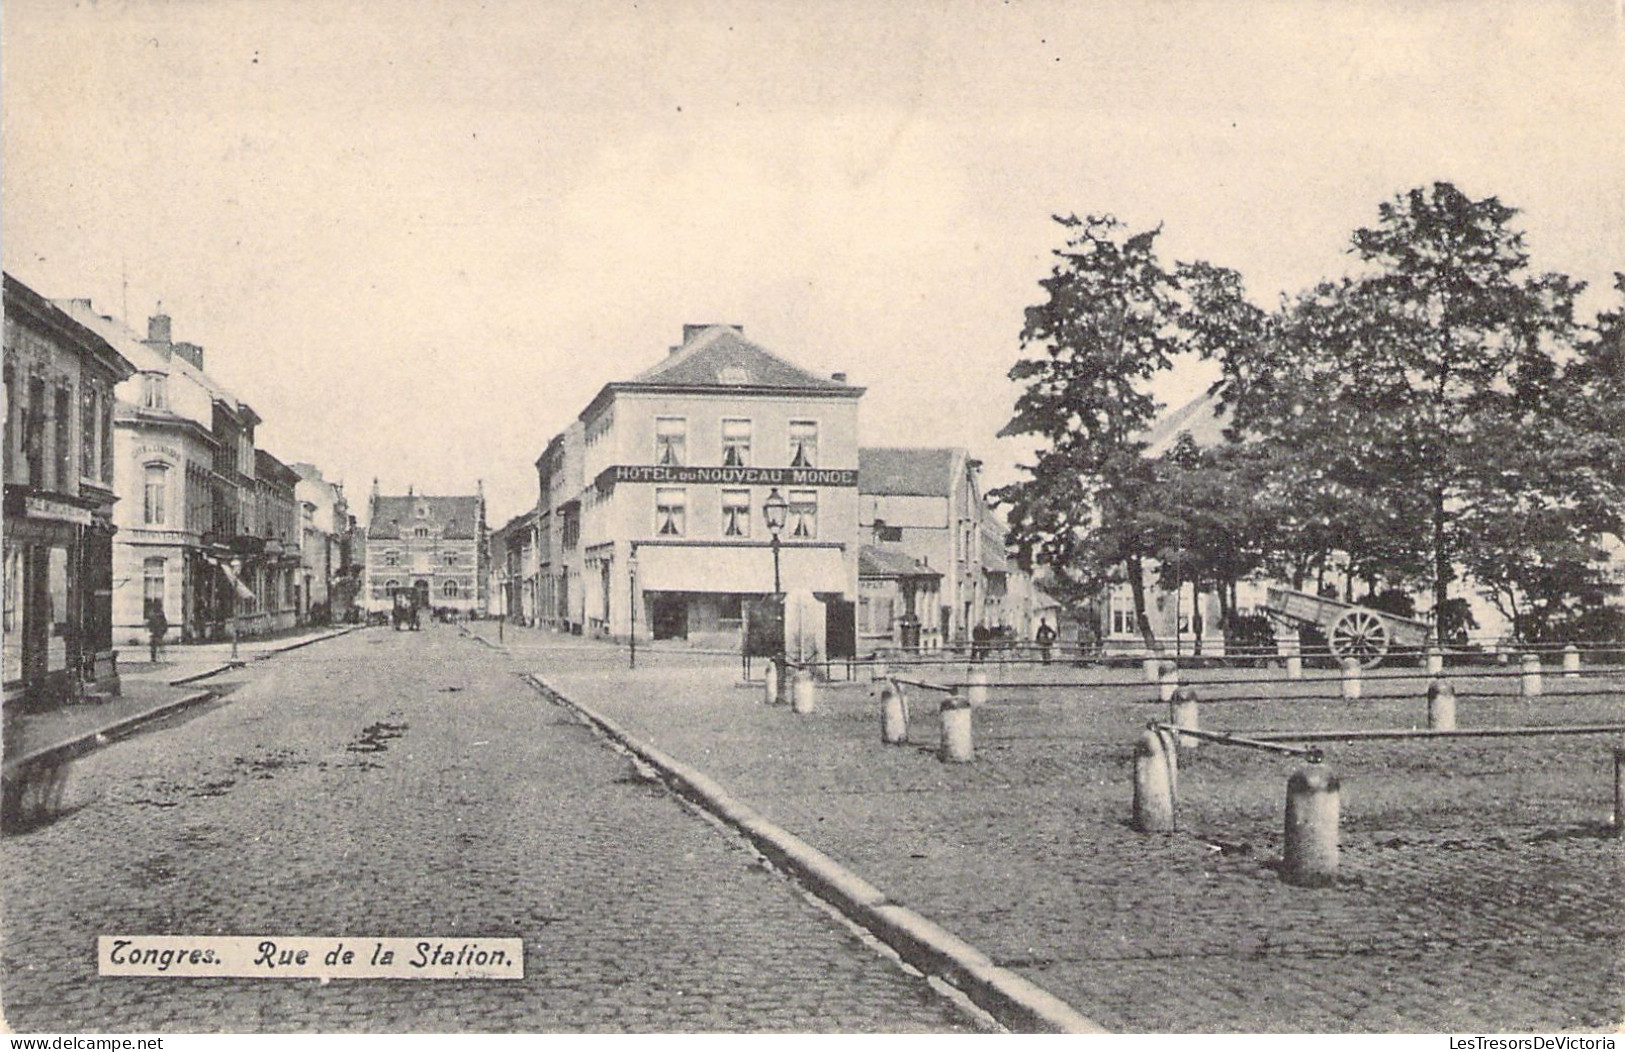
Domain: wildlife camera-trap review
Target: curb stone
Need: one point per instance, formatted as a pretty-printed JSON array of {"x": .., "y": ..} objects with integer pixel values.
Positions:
[{"x": 1018, "y": 1003}]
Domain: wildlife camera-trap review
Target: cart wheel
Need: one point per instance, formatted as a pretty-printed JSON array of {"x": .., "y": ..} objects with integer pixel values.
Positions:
[{"x": 1361, "y": 635}]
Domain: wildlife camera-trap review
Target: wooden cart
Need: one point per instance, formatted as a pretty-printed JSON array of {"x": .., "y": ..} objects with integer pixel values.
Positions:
[{"x": 1356, "y": 632}]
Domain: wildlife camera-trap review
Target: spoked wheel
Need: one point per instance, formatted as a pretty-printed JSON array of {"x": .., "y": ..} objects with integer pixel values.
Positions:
[{"x": 1361, "y": 635}]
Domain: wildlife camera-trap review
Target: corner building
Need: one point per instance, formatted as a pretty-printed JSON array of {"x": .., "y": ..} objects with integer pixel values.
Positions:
[{"x": 676, "y": 464}]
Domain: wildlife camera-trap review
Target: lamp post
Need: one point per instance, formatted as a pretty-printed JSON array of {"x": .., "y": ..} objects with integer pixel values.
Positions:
[
  {"x": 775, "y": 512},
  {"x": 632, "y": 605}
]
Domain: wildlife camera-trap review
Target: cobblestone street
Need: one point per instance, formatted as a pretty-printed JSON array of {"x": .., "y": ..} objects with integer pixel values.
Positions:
[
  {"x": 386, "y": 784},
  {"x": 1478, "y": 891}
]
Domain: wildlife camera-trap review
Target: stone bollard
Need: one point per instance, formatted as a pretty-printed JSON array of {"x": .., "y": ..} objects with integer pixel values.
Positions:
[
  {"x": 1441, "y": 706},
  {"x": 1168, "y": 680},
  {"x": 770, "y": 682},
  {"x": 1571, "y": 662},
  {"x": 1310, "y": 848},
  {"x": 1153, "y": 669},
  {"x": 956, "y": 731},
  {"x": 1294, "y": 665},
  {"x": 1619, "y": 790},
  {"x": 1435, "y": 661},
  {"x": 1153, "y": 788},
  {"x": 804, "y": 698},
  {"x": 1185, "y": 716},
  {"x": 1351, "y": 679},
  {"x": 977, "y": 694},
  {"x": 1531, "y": 676},
  {"x": 893, "y": 715}
]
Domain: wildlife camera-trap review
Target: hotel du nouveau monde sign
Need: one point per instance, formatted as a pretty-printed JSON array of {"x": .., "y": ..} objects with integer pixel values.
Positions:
[{"x": 727, "y": 476}]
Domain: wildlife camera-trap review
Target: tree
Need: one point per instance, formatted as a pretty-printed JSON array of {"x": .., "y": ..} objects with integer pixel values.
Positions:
[
  {"x": 1095, "y": 507},
  {"x": 1105, "y": 328},
  {"x": 1551, "y": 483},
  {"x": 1391, "y": 385}
]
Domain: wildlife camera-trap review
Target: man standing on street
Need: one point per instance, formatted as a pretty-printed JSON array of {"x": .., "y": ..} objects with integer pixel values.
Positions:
[
  {"x": 157, "y": 625},
  {"x": 1045, "y": 638}
]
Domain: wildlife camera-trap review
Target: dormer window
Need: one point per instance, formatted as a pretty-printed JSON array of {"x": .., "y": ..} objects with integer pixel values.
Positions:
[
  {"x": 155, "y": 391},
  {"x": 421, "y": 531},
  {"x": 423, "y": 511},
  {"x": 736, "y": 375}
]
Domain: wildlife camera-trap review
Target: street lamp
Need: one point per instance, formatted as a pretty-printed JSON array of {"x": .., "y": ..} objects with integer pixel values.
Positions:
[
  {"x": 775, "y": 512},
  {"x": 632, "y": 605}
]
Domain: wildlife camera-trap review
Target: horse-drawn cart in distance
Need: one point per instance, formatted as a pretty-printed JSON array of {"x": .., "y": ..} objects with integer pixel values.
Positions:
[{"x": 1357, "y": 632}]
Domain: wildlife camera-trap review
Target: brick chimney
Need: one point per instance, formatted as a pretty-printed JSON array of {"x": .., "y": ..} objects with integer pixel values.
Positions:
[
  {"x": 191, "y": 352},
  {"x": 158, "y": 333},
  {"x": 690, "y": 331}
]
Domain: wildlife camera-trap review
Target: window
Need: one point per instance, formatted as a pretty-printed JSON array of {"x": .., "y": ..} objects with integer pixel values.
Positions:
[
  {"x": 804, "y": 513},
  {"x": 735, "y": 443},
  {"x": 34, "y": 432},
  {"x": 736, "y": 513},
  {"x": 390, "y": 585},
  {"x": 64, "y": 436},
  {"x": 107, "y": 440},
  {"x": 155, "y": 391},
  {"x": 803, "y": 443},
  {"x": 392, "y": 558},
  {"x": 449, "y": 589},
  {"x": 731, "y": 608},
  {"x": 880, "y": 615},
  {"x": 88, "y": 446},
  {"x": 421, "y": 531},
  {"x": 671, "y": 441},
  {"x": 423, "y": 511},
  {"x": 156, "y": 494},
  {"x": 152, "y": 585},
  {"x": 670, "y": 505},
  {"x": 451, "y": 558},
  {"x": 889, "y": 534}
]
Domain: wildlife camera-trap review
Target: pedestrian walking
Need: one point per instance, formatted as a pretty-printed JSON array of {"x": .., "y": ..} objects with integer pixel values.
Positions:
[
  {"x": 157, "y": 626},
  {"x": 978, "y": 642},
  {"x": 1045, "y": 638}
]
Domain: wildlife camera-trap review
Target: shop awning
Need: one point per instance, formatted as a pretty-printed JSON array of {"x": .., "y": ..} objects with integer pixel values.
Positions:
[
  {"x": 243, "y": 591},
  {"x": 733, "y": 569}
]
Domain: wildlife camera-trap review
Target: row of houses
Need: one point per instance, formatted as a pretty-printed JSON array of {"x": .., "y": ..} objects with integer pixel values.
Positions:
[
  {"x": 725, "y": 473},
  {"x": 134, "y": 487}
]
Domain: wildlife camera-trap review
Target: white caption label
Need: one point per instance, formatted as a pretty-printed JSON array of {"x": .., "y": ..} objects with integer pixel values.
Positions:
[{"x": 283, "y": 957}]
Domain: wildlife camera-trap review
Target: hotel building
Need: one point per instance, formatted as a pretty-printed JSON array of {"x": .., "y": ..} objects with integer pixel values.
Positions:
[{"x": 651, "y": 503}]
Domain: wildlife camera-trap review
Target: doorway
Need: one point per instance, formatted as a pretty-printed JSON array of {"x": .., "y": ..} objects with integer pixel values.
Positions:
[{"x": 668, "y": 617}]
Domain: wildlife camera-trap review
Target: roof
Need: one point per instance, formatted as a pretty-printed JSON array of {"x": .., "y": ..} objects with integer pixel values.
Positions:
[
  {"x": 454, "y": 518},
  {"x": 718, "y": 358},
  {"x": 268, "y": 466},
  {"x": 22, "y": 300},
  {"x": 875, "y": 561},
  {"x": 907, "y": 472},
  {"x": 1197, "y": 417},
  {"x": 129, "y": 343}
]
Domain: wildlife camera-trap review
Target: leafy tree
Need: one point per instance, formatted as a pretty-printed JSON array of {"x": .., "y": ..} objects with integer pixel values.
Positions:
[
  {"x": 1551, "y": 483},
  {"x": 1105, "y": 328},
  {"x": 1390, "y": 386}
]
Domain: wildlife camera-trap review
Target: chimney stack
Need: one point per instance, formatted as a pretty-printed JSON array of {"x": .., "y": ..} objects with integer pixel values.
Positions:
[
  {"x": 191, "y": 352},
  {"x": 839, "y": 378},
  {"x": 158, "y": 327},
  {"x": 690, "y": 331}
]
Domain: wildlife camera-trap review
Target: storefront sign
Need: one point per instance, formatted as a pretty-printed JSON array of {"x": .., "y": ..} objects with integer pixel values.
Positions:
[
  {"x": 728, "y": 476},
  {"x": 55, "y": 510}
]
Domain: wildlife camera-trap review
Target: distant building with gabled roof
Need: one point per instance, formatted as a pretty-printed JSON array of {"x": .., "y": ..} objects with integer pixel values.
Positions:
[{"x": 433, "y": 547}]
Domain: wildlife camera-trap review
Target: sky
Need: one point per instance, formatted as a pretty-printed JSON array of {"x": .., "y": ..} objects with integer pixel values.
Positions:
[{"x": 418, "y": 237}]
